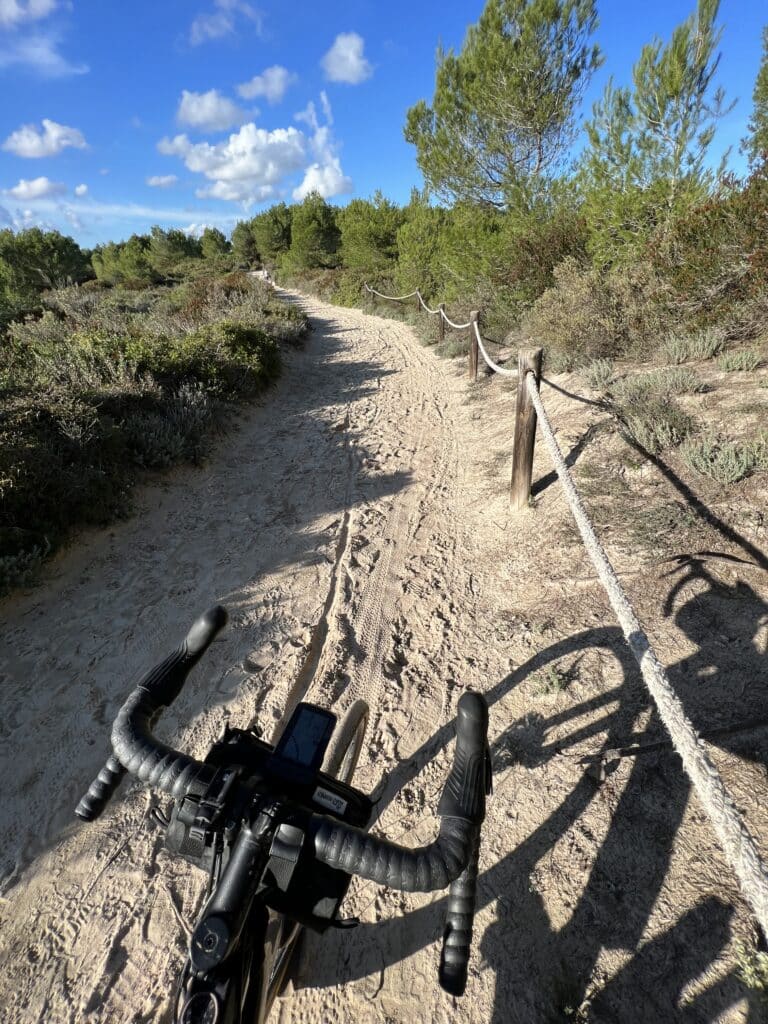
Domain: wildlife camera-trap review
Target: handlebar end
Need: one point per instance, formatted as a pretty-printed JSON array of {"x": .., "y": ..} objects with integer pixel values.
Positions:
[
  {"x": 205, "y": 629},
  {"x": 467, "y": 785}
]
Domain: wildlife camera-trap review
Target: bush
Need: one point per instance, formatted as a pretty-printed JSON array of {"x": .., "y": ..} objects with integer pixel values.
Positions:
[
  {"x": 725, "y": 461},
  {"x": 662, "y": 383},
  {"x": 654, "y": 423},
  {"x": 744, "y": 359},
  {"x": 598, "y": 374},
  {"x": 716, "y": 259},
  {"x": 594, "y": 314},
  {"x": 108, "y": 382},
  {"x": 703, "y": 344}
]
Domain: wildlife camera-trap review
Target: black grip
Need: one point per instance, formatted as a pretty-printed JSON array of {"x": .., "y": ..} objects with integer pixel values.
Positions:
[
  {"x": 165, "y": 681},
  {"x": 468, "y": 783},
  {"x": 100, "y": 790},
  {"x": 132, "y": 741},
  {"x": 459, "y": 918}
]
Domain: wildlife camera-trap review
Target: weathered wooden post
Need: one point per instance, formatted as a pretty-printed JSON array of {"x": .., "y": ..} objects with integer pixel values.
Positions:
[
  {"x": 528, "y": 360},
  {"x": 474, "y": 318},
  {"x": 418, "y": 301},
  {"x": 441, "y": 327}
]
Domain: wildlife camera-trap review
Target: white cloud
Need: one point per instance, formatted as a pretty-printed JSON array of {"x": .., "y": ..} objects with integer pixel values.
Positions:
[
  {"x": 196, "y": 230},
  {"x": 328, "y": 179},
  {"x": 36, "y": 188},
  {"x": 271, "y": 83},
  {"x": 345, "y": 62},
  {"x": 81, "y": 190},
  {"x": 73, "y": 217},
  {"x": 5, "y": 217},
  {"x": 325, "y": 104},
  {"x": 325, "y": 174},
  {"x": 245, "y": 168},
  {"x": 208, "y": 111},
  {"x": 162, "y": 180},
  {"x": 39, "y": 53},
  {"x": 27, "y": 141},
  {"x": 13, "y": 12},
  {"x": 222, "y": 21}
]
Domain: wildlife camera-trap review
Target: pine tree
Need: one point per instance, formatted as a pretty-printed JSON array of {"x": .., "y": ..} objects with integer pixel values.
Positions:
[
  {"x": 756, "y": 143},
  {"x": 648, "y": 146},
  {"x": 504, "y": 109},
  {"x": 314, "y": 234}
]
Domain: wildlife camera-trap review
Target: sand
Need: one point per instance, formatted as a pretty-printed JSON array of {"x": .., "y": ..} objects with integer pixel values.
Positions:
[{"x": 356, "y": 524}]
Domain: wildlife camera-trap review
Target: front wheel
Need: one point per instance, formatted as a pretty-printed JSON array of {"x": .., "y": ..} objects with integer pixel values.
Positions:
[{"x": 346, "y": 744}]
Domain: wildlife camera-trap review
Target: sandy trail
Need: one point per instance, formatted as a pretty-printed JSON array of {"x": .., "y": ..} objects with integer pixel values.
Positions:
[{"x": 356, "y": 525}]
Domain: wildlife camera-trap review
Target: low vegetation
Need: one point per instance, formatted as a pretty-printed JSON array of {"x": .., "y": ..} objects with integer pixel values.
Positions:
[{"x": 102, "y": 383}]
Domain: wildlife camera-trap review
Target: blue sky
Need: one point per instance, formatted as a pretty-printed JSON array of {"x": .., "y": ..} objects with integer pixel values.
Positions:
[{"x": 188, "y": 112}]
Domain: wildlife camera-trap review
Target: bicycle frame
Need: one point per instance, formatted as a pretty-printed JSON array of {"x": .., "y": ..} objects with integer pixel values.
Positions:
[{"x": 253, "y": 976}]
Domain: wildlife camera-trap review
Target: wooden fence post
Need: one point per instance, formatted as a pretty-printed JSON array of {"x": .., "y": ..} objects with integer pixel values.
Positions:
[
  {"x": 418, "y": 301},
  {"x": 473, "y": 350},
  {"x": 441, "y": 327},
  {"x": 528, "y": 359}
]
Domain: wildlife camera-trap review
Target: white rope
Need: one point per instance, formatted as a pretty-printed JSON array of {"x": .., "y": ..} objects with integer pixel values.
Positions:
[
  {"x": 487, "y": 358},
  {"x": 425, "y": 306},
  {"x": 394, "y": 298},
  {"x": 459, "y": 327},
  {"x": 737, "y": 841}
]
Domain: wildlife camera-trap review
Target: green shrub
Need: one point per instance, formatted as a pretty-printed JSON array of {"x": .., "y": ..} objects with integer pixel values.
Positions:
[
  {"x": 108, "y": 381},
  {"x": 741, "y": 359},
  {"x": 597, "y": 314},
  {"x": 702, "y": 344},
  {"x": 723, "y": 461},
  {"x": 598, "y": 373},
  {"x": 654, "y": 423},
  {"x": 661, "y": 383}
]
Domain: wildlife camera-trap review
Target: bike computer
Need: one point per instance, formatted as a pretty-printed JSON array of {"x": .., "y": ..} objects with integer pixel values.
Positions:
[{"x": 306, "y": 737}]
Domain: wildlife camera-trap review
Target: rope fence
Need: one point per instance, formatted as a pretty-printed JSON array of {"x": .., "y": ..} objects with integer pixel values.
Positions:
[
  {"x": 738, "y": 844},
  {"x": 737, "y": 841}
]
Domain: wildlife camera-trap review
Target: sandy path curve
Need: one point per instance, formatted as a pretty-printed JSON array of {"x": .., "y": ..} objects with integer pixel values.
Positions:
[{"x": 356, "y": 524}]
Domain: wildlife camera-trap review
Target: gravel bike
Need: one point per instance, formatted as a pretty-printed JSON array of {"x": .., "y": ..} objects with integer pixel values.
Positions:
[{"x": 281, "y": 830}]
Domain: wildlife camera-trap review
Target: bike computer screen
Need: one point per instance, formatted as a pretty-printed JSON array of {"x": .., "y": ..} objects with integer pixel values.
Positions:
[{"x": 306, "y": 736}]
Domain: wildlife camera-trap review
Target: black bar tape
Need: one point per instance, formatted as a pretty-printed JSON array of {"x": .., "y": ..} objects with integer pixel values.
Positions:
[
  {"x": 422, "y": 870},
  {"x": 457, "y": 937},
  {"x": 100, "y": 790},
  {"x": 134, "y": 745}
]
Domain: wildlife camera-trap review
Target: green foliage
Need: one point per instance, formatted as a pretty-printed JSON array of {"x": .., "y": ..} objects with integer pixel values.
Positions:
[
  {"x": 716, "y": 258},
  {"x": 271, "y": 232},
  {"x": 244, "y": 247},
  {"x": 647, "y": 153},
  {"x": 213, "y": 243},
  {"x": 654, "y": 423},
  {"x": 756, "y": 143},
  {"x": 594, "y": 314},
  {"x": 168, "y": 250},
  {"x": 503, "y": 111},
  {"x": 725, "y": 462},
  {"x": 598, "y": 374},
  {"x": 32, "y": 261},
  {"x": 663, "y": 383},
  {"x": 109, "y": 381},
  {"x": 369, "y": 230},
  {"x": 127, "y": 263},
  {"x": 419, "y": 247},
  {"x": 680, "y": 348},
  {"x": 744, "y": 359},
  {"x": 314, "y": 234}
]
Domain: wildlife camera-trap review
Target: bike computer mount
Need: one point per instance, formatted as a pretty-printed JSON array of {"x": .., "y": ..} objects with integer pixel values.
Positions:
[{"x": 205, "y": 822}]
